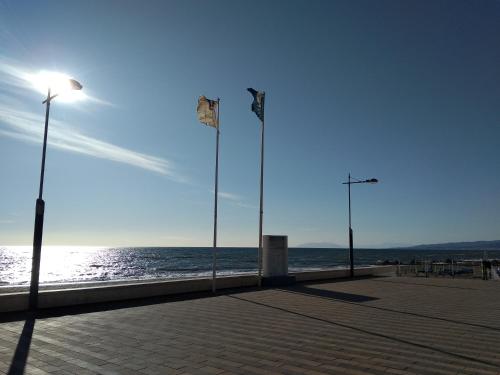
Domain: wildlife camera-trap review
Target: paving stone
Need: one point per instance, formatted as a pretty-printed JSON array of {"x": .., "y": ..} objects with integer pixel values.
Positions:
[{"x": 378, "y": 326}]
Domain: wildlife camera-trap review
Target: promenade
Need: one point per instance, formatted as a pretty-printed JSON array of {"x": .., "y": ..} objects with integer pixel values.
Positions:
[{"x": 383, "y": 325}]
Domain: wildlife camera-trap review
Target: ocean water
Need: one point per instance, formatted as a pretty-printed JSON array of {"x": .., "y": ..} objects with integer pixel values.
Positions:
[{"x": 64, "y": 264}]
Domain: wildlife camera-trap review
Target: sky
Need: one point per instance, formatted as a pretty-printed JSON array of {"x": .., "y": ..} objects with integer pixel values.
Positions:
[{"x": 406, "y": 92}]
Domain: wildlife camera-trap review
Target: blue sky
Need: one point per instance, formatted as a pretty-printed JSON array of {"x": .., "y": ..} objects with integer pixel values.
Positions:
[{"x": 407, "y": 92}]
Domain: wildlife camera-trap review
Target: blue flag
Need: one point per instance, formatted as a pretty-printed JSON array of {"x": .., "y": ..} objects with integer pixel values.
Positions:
[{"x": 258, "y": 102}]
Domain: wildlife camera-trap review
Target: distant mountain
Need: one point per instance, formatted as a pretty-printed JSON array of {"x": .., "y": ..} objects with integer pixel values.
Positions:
[
  {"x": 476, "y": 245},
  {"x": 312, "y": 245}
]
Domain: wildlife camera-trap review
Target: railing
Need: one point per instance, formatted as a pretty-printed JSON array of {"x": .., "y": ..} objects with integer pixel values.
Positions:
[{"x": 486, "y": 270}]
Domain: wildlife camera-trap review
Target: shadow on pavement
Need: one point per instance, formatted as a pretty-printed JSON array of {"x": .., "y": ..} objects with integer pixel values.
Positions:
[
  {"x": 20, "y": 358},
  {"x": 358, "y": 299},
  {"x": 329, "y": 294},
  {"x": 371, "y": 333},
  {"x": 115, "y": 305}
]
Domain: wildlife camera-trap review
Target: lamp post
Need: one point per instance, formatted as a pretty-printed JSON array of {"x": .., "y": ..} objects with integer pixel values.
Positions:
[
  {"x": 349, "y": 183},
  {"x": 40, "y": 205}
]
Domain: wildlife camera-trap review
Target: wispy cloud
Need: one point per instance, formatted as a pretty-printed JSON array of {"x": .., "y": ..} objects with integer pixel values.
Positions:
[
  {"x": 245, "y": 205},
  {"x": 229, "y": 196},
  {"x": 23, "y": 125},
  {"x": 9, "y": 218},
  {"x": 235, "y": 199}
]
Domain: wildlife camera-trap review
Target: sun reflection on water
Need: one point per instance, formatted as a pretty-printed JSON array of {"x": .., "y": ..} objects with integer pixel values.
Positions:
[
  {"x": 59, "y": 263},
  {"x": 76, "y": 264}
]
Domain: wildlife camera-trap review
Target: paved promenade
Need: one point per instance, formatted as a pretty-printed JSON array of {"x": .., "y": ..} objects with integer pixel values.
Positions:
[{"x": 398, "y": 326}]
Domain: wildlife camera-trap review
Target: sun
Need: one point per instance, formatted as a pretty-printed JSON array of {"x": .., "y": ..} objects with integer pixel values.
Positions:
[{"x": 59, "y": 83}]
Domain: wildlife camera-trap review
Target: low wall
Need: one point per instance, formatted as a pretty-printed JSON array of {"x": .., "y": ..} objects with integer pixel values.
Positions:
[
  {"x": 120, "y": 292},
  {"x": 343, "y": 273}
]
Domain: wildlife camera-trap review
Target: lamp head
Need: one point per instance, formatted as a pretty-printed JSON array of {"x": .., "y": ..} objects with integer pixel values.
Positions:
[
  {"x": 66, "y": 88},
  {"x": 75, "y": 85}
]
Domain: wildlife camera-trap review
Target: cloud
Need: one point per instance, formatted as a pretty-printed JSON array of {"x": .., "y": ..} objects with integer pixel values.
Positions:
[
  {"x": 9, "y": 218},
  {"x": 229, "y": 196},
  {"x": 246, "y": 205},
  {"x": 236, "y": 200},
  {"x": 23, "y": 125}
]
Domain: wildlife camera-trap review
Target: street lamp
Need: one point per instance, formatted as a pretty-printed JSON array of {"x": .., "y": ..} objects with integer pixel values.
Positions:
[
  {"x": 349, "y": 183},
  {"x": 63, "y": 84}
]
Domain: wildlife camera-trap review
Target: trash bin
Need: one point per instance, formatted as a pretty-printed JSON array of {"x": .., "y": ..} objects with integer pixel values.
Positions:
[{"x": 275, "y": 261}]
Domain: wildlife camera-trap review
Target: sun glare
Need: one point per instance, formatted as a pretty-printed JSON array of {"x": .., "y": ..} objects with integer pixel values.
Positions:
[{"x": 59, "y": 83}]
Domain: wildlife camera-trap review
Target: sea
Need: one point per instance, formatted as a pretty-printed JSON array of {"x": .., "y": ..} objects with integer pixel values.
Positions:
[{"x": 73, "y": 264}]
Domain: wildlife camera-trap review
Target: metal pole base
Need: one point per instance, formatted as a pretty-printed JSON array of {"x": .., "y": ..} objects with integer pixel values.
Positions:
[
  {"x": 351, "y": 254},
  {"x": 37, "y": 251}
]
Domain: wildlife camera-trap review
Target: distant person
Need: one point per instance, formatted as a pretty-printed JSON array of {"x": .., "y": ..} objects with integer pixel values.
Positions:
[{"x": 486, "y": 269}]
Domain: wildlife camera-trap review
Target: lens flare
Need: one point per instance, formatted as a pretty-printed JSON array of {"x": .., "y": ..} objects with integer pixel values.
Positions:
[{"x": 59, "y": 83}]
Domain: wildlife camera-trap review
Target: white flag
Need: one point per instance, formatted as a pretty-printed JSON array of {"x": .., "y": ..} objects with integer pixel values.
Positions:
[{"x": 207, "y": 111}]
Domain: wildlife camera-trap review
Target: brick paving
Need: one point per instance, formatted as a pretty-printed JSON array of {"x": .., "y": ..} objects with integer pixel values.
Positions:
[{"x": 392, "y": 326}]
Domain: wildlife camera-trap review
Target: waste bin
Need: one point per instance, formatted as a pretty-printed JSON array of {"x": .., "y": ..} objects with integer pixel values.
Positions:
[{"x": 275, "y": 261}]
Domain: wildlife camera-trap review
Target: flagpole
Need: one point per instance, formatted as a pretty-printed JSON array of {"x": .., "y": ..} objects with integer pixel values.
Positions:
[
  {"x": 261, "y": 198},
  {"x": 214, "y": 252}
]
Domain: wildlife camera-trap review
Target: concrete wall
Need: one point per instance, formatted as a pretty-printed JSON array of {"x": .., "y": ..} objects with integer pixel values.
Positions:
[
  {"x": 108, "y": 293},
  {"x": 13, "y": 302},
  {"x": 342, "y": 273}
]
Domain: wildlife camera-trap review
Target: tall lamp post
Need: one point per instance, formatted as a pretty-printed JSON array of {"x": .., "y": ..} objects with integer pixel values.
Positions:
[
  {"x": 349, "y": 183},
  {"x": 40, "y": 205}
]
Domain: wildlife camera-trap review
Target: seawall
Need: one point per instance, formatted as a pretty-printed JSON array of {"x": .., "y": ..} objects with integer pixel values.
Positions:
[{"x": 118, "y": 292}]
